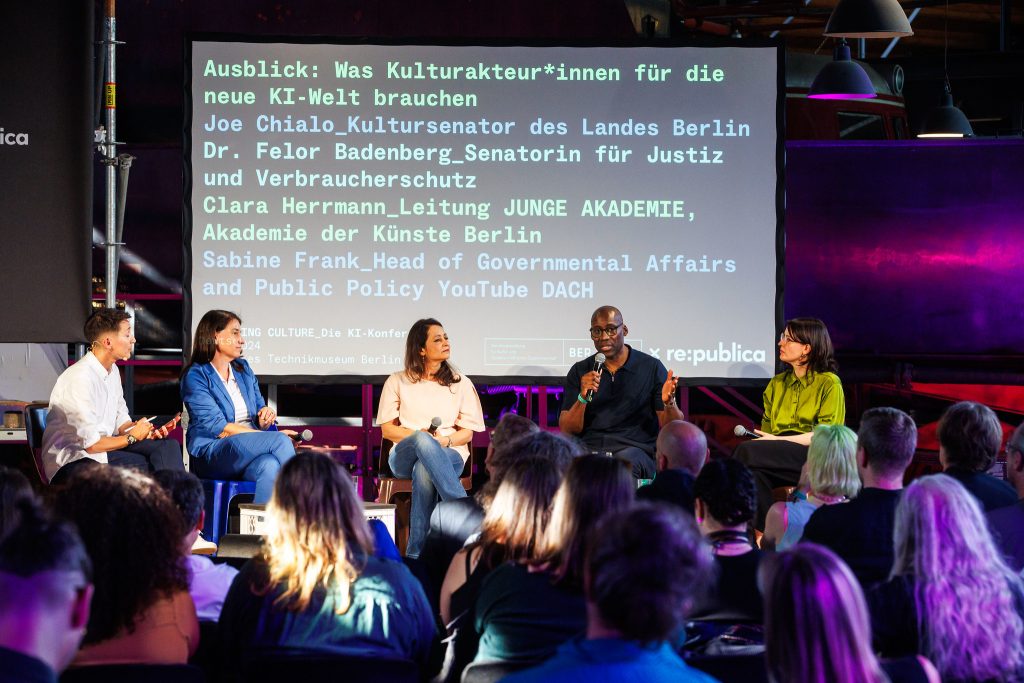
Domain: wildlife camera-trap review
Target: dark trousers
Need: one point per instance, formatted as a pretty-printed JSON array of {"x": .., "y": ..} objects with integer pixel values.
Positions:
[
  {"x": 150, "y": 455},
  {"x": 774, "y": 463}
]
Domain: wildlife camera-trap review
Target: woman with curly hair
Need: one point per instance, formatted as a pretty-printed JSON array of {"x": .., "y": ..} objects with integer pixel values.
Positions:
[
  {"x": 951, "y": 596},
  {"x": 816, "y": 624},
  {"x": 831, "y": 476},
  {"x": 431, "y": 455},
  {"x": 726, "y": 498},
  {"x": 141, "y": 609},
  {"x": 316, "y": 586}
]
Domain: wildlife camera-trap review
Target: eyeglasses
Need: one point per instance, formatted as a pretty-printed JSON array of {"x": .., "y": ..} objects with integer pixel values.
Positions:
[
  {"x": 598, "y": 332},
  {"x": 787, "y": 339}
]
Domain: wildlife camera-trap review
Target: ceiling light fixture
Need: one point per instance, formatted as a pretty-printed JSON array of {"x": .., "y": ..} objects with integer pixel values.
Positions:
[
  {"x": 946, "y": 120},
  {"x": 868, "y": 19},
  {"x": 842, "y": 78}
]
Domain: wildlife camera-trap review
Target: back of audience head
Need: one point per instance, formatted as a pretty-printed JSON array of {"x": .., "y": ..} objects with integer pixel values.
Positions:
[
  {"x": 45, "y": 589},
  {"x": 1015, "y": 459},
  {"x": 681, "y": 445},
  {"x": 510, "y": 428},
  {"x": 832, "y": 461},
  {"x": 886, "y": 442},
  {"x": 514, "y": 523},
  {"x": 594, "y": 486},
  {"x": 726, "y": 495},
  {"x": 186, "y": 490},
  {"x": 130, "y": 528},
  {"x": 817, "y": 628},
  {"x": 966, "y": 595},
  {"x": 317, "y": 534},
  {"x": 535, "y": 444},
  {"x": 969, "y": 436},
  {"x": 644, "y": 565},
  {"x": 14, "y": 488}
]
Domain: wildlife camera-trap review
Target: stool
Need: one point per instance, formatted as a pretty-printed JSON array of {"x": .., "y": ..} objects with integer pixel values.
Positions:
[{"x": 219, "y": 493}]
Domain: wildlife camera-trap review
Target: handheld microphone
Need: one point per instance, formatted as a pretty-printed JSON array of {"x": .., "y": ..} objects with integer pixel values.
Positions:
[
  {"x": 434, "y": 424},
  {"x": 740, "y": 430},
  {"x": 599, "y": 360},
  {"x": 304, "y": 436}
]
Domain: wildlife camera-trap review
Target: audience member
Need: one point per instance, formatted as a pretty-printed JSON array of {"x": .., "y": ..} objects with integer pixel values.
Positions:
[
  {"x": 208, "y": 582},
  {"x": 526, "y": 610},
  {"x": 726, "y": 502},
  {"x": 1007, "y": 523},
  {"x": 680, "y": 452},
  {"x": 816, "y": 624},
  {"x": 969, "y": 438},
  {"x": 861, "y": 531},
  {"x": 14, "y": 488},
  {"x": 453, "y": 521},
  {"x": 44, "y": 596},
  {"x": 141, "y": 612},
  {"x": 316, "y": 586},
  {"x": 832, "y": 478},
  {"x": 951, "y": 597},
  {"x": 88, "y": 418},
  {"x": 643, "y": 568}
]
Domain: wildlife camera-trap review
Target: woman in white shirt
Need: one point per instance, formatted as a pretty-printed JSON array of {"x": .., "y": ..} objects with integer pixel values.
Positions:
[{"x": 429, "y": 387}]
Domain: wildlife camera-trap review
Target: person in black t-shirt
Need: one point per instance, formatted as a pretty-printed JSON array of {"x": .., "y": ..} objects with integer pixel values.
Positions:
[
  {"x": 969, "y": 439},
  {"x": 860, "y": 531}
]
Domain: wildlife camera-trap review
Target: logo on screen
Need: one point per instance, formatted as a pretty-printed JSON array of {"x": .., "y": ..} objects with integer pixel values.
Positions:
[{"x": 13, "y": 138}]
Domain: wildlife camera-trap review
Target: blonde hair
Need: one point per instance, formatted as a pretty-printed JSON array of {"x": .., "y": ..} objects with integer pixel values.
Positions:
[
  {"x": 964, "y": 593},
  {"x": 832, "y": 461},
  {"x": 816, "y": 621},
  {"x": 317, "y": 535}
]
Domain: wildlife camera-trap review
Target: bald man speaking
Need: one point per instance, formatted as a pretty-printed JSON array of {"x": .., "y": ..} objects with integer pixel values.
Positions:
[{"x": 620, "y": 406}]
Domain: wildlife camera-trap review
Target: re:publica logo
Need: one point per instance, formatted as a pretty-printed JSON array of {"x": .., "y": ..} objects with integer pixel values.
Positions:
[{"x": 13, "y": 138}]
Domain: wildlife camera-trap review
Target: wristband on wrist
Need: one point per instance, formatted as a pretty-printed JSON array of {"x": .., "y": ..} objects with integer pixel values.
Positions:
[
  {"x": 582, "y": 399},
  {"x": 449, "y": 442}
]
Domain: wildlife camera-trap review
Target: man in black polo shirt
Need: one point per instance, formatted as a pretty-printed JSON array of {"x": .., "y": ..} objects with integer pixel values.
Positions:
[{"x": 621, "y": 409}]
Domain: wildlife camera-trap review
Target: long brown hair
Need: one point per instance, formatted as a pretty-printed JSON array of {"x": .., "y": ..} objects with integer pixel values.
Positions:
[
  {"x": 204, "y": 343},
  {"x": 317, "y": 535},
  {"x": 415, "y": 342}
]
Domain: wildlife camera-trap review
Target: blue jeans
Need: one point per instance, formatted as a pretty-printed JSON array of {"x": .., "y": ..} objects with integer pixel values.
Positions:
[
  {"x": 434, "y": 470},
  {"x": 252, "y": 456}
]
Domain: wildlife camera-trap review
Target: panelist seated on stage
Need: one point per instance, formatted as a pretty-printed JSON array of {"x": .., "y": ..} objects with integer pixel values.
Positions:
[
  {"x": 231, "y": 431},
  {"x": 619, "y": 408},
  {"x": 433, "y": 457},
  {"x": 88, "y": 419},
  {"x": 809, "y": 393}
]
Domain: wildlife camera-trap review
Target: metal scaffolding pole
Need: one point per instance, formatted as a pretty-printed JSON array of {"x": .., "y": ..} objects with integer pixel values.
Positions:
[{"x": 110, "y": 148}]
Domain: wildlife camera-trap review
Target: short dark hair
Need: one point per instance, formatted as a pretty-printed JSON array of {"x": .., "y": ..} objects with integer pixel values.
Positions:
[
  {"x": 130, "y": 528},
  {"x": 14, "y": 488},
  {"x": 186, "y": 491},
  {"x": 103, "y": 321},
  {"x": 728, "y": 490},
  {"x": 41, "y": 543},
  {"x": 813, "y": 332},
  {"x": 970, "y": 434},
  {"x": 511, "y": 427},
  {"x": 644, "y": 566},
  {"x": 888, "y": 436}
]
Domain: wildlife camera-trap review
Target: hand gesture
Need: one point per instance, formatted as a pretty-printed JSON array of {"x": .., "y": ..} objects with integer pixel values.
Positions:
[
  {"x": 265, "y": 417},
  {"x": 668, "y": 389}
]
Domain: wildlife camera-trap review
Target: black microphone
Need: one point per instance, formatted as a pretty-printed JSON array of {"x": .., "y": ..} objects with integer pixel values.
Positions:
[
  {"x": 599, "y": 360},
  {"x": 304, "y": 436},
  {"x": 740, "y": 430},
  {"x": 434, "y": 424}
]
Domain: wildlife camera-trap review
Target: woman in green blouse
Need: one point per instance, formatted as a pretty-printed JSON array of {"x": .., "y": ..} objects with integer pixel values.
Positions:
[{"x": 809, "y": 393}]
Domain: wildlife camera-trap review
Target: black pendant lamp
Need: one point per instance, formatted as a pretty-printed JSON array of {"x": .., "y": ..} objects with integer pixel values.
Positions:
[
  {"x": 842, "y": 78},
  {"x": 868, "y": 19}
]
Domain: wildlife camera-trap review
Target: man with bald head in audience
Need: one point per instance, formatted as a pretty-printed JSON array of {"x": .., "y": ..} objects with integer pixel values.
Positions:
[
  {"x": 681, "y": 450},
  {"x": 1007, "y": 523},
  {"x": 44, "y": 597},
  {"x": 619, "y": 408}
]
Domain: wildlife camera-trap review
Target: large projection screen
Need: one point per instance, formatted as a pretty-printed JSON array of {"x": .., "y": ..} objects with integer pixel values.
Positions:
[{"x": 339, "y": 192}]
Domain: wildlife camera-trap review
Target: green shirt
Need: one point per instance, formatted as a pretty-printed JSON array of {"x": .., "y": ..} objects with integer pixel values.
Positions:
[{"x": 792, "y": 404}]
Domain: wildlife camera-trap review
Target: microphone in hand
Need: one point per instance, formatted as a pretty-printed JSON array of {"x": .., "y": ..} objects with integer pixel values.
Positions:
[
  {"x": 434, "y": 424},
  {"x": 740, "y": 430},
  {"x": 304, "y": 436},
  {"x": 599, "y": 360}
]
